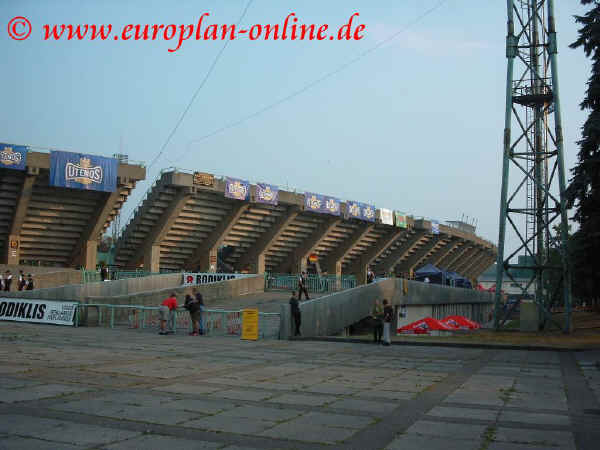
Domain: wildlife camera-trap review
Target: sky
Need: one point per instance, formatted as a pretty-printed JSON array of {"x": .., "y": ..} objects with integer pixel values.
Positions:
[{"x": 415, "y": 125}]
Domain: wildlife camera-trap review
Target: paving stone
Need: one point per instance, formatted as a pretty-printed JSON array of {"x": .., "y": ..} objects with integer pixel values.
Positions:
[
  {"x": 182, "y": 388},
  {"x": 379, "y": 408},
  {"x": 548, "y": 438},
  {"x": 534, "y": 418},
  {"x": 300, "y": 399},
  {"x": 38, "y": 392},
  {"x": 19, "y": 443},
  {"x": 208, "y": 407},
  {"x": 241, "y": 425},
  {"x": 447, "y": 430},
  {"x": 386, "y": 395},
  {"x": 13, "y": 383},
  {"x": 136, "y": 398},
  {"x": 332, "y": 420},
  {"x": 416, "y": 442},
  {"x": 309, "y": 433},
  {"x": 485, "y": 399},
  {"x": 158, "y": 442},
  {"x": 261, "y": 413},
  {"x": 463, "y": 413},
  {"x": 235, "y": 394}
]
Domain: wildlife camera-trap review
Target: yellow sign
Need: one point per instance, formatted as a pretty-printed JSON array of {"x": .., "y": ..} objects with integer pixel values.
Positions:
[
  {"x": 204, "y": 179},
  {"x": 250, "y": 324}
]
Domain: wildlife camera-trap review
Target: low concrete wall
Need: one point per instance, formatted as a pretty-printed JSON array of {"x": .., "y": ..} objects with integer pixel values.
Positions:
[
  {"x": 211, "y": 293},
  {"x": 329, "y": 315},
  {"x": 79, "y": 292},
  {"x": 43, "y": 277}
]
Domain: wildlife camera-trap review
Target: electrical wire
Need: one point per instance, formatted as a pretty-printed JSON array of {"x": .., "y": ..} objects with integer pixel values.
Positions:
[
  {"x": 315, "y": 82},
  {"x": 204, "y": 80}
]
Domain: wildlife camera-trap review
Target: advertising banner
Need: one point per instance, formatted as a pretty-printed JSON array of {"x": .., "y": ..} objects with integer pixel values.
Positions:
[
  {"x": 237, "y": 189},
  {"x": 38, "y": 311},
  {"x": 367, "y": 212},
  {"x": 267, "y": 193},
  {"x": 322, "y": 204},
  {"x": 13, "y": 156},
  {"x": 353, "y": 210},
  {"x": 79, "y": 171},
  {"x": 435, "y": 227},
  {"x": 206, "y": 278},
  {"x": 386, "y": 216},
  {"x": 400, "y": 219}
]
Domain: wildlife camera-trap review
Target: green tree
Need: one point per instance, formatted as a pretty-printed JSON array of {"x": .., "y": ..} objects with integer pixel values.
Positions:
[{"x": 584, "y": 189}]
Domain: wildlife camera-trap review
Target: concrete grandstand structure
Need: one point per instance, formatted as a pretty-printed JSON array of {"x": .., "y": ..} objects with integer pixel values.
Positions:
[
  {"x": 185, "y": 219},
  {"x": 41, "y": 224}
]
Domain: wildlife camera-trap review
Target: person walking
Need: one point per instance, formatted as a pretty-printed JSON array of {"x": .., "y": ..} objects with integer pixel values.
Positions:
[
  {"x": 302, "y": 286},
  {"x": 22, "y": 281},
  {"x": 193, "y": 307},
  {"x": 7, "y": 280},
  {"x": 296, "y": 314},
  {"x": 377, "y": 317},
  {"x": 200, "y": 301},
  {"x": 29, "y": 283},
  {"x": 388, "y": 315},
  {"x": 167, "y": 311}
]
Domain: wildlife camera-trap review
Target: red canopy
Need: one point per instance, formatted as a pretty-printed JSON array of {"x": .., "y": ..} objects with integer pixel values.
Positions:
[
  {"x": 460, "y": 322},
  {"x": 424, "y": 326}
]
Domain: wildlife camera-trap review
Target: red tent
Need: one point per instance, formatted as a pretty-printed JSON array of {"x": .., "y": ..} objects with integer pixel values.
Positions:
[
  {"x": 424, "y": 326},
  {"x": 460, "y": 322}
]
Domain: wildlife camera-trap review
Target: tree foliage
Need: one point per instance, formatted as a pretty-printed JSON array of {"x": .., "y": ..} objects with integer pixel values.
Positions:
[{"x": 583, "y": 192}]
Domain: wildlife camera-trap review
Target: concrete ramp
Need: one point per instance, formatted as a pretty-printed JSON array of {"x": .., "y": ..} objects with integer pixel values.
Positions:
[{"x": 331, "y": 314}]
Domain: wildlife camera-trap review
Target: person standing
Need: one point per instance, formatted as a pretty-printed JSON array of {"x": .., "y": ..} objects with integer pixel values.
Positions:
[
  {"x": 370, "y": 276},
  {"x": 7, "y": 280},
  {"x": 22, "y": 281},
  {"x": 167, "y": 311},
  {"x": 302, "y": 286},
  {"x": 104, "y": 272},
  {"x": 296, "y": 314},
  {"x": 29, "y": 284},
  {"x": 193, "y": 307},
  {"x": 200, "y": 301},
  {"x": 388, "y": 315},
  {"x": 377, "y": 316}
]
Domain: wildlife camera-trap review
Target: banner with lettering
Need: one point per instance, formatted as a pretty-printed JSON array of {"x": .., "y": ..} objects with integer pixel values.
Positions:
[
  {"x": 435, "y": 227},
  {"x": 237, "y": 189},
  {"x": 13, "y": 156},
  {"x": 400, "y": 219},
  {"x": 385, "y": 216},
  {"x": 209, "y": 277},
  {"x": 266, "y": 193},
  {"x": 353, "y": 210},
  {"x": 322, "y": 204},
  {"x": 39, "y": 311},
  {"x": 367, "y": 212},
  {"x": 79, "y": 171}
]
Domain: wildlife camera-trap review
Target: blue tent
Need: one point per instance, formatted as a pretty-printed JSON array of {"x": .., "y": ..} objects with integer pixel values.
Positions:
[{"x": 434, "y": 274}]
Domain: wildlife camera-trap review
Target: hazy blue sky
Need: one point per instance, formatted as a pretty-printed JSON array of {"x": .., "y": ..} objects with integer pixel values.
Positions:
[{"x": 415, "y": 126}]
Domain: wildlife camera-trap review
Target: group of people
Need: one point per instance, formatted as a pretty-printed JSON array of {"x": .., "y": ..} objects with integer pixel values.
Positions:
[
  {"x": 194, "y": 304},
  {"x": 23, "y": 283},
  {"x": 382, "y": 317}
]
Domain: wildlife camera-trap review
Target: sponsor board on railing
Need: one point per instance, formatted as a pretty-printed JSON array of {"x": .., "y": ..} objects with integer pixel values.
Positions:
[
  {"x": 79, "y": 171},
  {"x": 13, "y": 156},
  {"x": 38, "y": 311},
  {"x": 206, "y": 278}
]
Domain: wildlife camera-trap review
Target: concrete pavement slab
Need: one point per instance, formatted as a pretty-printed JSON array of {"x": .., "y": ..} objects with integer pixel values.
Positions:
[
  {"x": 309, "y": 433},
  {"x": 21, "y": 443},
  {"x": 447, "y": 430},
  {"x": 463, "y": 413},
  {"x": 534, "y": 418},
  {"x": 531, "y": 436},
  {"x": 303, "y": 399},
  {"x": 416, "y": 442},
  {"x": 157, "y": 442}
]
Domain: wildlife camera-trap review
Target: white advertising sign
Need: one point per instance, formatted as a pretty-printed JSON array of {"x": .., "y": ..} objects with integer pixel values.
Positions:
[
  {"x": 39, "y": 311},
  {"x": 206, "y": 278},
  {"x": 386, "y": 216}
]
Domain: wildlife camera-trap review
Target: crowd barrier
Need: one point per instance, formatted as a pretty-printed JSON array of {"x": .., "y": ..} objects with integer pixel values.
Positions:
[
  {"x": 215, "y": 322},
  {"x": 314, "y": 283}
]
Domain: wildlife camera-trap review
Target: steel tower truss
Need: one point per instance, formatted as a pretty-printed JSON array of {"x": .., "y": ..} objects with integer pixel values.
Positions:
[{"x": 534, "y": 204}]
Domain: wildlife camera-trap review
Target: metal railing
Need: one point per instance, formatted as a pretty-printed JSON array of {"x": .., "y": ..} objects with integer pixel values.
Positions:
[
  {"x": 92, "y": 276},
  {"x": 314, "y": 283},
  {"x": 215, "y": 322}
]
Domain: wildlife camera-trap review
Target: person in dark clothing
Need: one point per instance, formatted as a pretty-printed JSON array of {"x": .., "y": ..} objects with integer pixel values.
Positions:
[
  {"x": 296, "y": 314},
  {"x": 377, "y": 321},
  {"x": 29, "y": 285},
  {"x": 104, "y": 272},
  {"x": 388, "y": 316},
  {"x": 200, "y": 300},
  {"x": 22, "y": 281},
  {"x": 193, "y": 307},
  {"x": 302, "y": 286},
  {"x": 7, "y": 280}
]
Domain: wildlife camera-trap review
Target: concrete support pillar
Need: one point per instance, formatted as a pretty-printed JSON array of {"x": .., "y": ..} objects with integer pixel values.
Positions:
[
  {"x": 152, "y": 259},
  {"x": 13, "y": 249},
  {"x": 91, "y": 252}
]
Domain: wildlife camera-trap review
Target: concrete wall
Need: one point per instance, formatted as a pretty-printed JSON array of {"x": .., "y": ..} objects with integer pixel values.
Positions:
[
  {"x": 43, "y": 277},
  {"x": 211, "y": 294},
  {"x": 329, "y": 315}
]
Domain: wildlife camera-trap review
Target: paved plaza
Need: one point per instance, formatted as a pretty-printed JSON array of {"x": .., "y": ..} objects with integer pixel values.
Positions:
[{"x": 91, "y": 388}]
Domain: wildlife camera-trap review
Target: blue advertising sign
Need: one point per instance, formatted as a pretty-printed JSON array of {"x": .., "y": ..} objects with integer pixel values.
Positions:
[
  {"x": 367, "y": 212},
  {"x": 322, "y": 204},
  {"x": 435, "y": 227},
  {"x": 13, "y": 156},
  {"x": 237, "y": 189},
  {"x": 79, "y": 171},
  {"x": 353, "y": 210},
  {"x": 267, "y": 193}
]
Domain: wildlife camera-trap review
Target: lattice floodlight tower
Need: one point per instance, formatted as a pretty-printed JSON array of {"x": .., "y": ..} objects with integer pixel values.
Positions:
[{"x": 534, "y": 153}]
